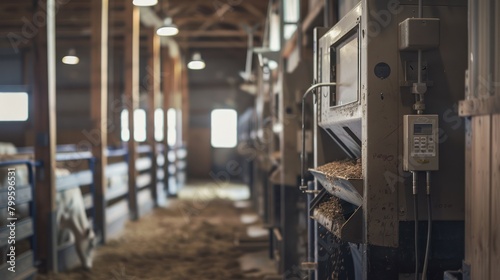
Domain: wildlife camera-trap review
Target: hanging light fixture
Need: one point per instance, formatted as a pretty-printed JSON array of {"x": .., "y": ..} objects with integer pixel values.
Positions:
[
  {"x": 145, "y": 3},
  {"x": 71, "y": 57},
  {"x": 168, "y": 28},
  {"x": 196, "y": 62}
]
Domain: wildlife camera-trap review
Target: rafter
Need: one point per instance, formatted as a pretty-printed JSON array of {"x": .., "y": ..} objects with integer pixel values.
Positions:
[
  {"x": 211, "y": 21},
  {"x": 213, "y": 44},
  {"x": 253, "y": 10}
]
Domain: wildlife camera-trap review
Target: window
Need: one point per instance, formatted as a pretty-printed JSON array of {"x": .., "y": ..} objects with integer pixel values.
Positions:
[
  {"x": 291, "y": 17},
  {"x": 344, "y": 70},
  {"x": 172, "y": 127},
  {"x": 139, "y": 125},
  {"x": 224, "y": 128},
  {"x": 14, "y": 106},
  {"x": 159, "y": 125},
  {"x": 124, "y": 124}
]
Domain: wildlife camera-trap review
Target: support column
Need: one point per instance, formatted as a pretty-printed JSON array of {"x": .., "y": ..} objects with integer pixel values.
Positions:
[
  {"x": 185, "y": 106},
  {"x": 99, "y": 108},
  {"x": 153, "y": 83},
  {"x": 44, "y": 96},
  {"x": 167, "y": 76},
  {"x": 132, "y": 98}
]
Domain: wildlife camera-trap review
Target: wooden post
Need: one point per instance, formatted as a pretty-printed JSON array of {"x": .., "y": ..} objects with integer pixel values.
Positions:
[
  {"x": 495, "y": 196},
  {"x": 153, "y": 84},
  {"x": 117, "y": 103},
  {"x": 185, "y": 106},
  {"x": 168, "y": 78},
  {"x": 481, "y": 197},
  {"x": 132, "y": 97},
  {"x": 99, "y": 107},
  {"x": 44, "y": 95}
]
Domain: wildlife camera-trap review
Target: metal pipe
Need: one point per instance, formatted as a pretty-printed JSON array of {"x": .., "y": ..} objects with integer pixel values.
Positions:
[
  {"x": 419, "y": 57},
  {"x": 419, "y": 66},
  {"x": 420, "y": 9},
  {"x": 429, "y": 225},
  {"x": 326, "y": 13},
  {"x": 303, "y": 186},
  {"x": 310, "y": 228},
  {"x": 248, "y": 64},
  {"x": 415, "y": 206}
]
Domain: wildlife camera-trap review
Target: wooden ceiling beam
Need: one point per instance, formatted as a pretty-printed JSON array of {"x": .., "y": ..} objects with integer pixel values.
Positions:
[
  {"x": 213, "y": 44},
  {"x": 215, "y": 33},
  {"x": 215, "y": 17},
  {"x": 228, "y": 16},
  {"x": 253, "y": 10}
]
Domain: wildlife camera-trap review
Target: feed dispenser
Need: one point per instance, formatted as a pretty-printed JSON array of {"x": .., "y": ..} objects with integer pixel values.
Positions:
[{"x": 361, "y": 119}]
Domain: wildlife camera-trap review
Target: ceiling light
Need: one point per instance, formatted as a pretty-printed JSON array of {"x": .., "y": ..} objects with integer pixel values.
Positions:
[
  {"x": 168, "y": 28},
  {"x": 71, "y": 58},
  {"x": 145, "y": 3},
  {"x": 196, "y": 62}
]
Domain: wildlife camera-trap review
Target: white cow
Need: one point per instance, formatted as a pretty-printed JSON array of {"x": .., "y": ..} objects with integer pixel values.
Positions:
[{"x": 72, "y": 221}]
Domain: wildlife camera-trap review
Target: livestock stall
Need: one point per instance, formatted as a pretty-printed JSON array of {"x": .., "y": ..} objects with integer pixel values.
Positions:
[
  {"x": 72, "y": 121},
  {"x": 79, "y": 203}
]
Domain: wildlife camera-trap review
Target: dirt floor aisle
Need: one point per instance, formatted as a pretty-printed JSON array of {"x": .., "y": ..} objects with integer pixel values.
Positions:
[{"x": 186, "y": 240}]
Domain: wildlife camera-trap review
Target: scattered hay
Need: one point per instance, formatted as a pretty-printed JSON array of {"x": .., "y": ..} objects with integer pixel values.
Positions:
[{"x": 188, "y": 240}]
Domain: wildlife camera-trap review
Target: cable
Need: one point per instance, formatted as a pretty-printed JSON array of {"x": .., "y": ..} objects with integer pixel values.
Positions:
[
  {"x": 429, "y": 224},
  {"x": 420, "y": 9},
  {"x": 415, "y": 206},
  {"x": 420, "y": 92},
  {"x": 303, "y": 186}
]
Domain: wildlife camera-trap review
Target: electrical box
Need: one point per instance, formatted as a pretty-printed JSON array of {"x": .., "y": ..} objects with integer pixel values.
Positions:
[
  {"x": 419, "y": 33},
  {"x": 421, "y": 146}
]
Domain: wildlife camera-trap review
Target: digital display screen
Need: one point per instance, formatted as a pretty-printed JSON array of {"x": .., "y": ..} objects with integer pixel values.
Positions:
[{"x": 422, "y": 129}]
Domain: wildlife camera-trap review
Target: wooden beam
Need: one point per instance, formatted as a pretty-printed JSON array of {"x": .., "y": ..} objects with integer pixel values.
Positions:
[
  {"x": 177, "y": 79},
  {"x": 495, "y": 197},
  {"x": 236, "y": 21},
  {"x": 216, "y": 33},
  {"x": 185, "y": 106},
  {"x": 218, "y": 15},
  {"x": 253, "y": 10},
  {"x": 213, "y": 44},
  {"x": 167, "y": 86},
  {"x": 153, "y": 86},
  {"x": 99, "y": 108},
  {"x": 117, "y": 105},
  {"x": 44, "y": 96},
  {"x": 481, "y": 195},
  {"x": 312, "y": 14},
  {"x": 132, "y": 99},
  {"x": 469, "y": 188}
]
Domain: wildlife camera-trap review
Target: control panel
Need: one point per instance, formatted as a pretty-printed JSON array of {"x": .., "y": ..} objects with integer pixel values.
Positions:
[{"x": 421, "y": 143}]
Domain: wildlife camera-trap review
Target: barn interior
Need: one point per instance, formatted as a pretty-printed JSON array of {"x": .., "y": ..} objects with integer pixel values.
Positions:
[{"x": 269, "y": 139}]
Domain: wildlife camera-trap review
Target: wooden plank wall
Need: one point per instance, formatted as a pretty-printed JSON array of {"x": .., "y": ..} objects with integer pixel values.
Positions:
[
  {"x": 495, "y": 198},
  {"x": 482, "y": 225},
  {"x": 482, "y": 232},
  {"x": 481, "y": 193}
]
